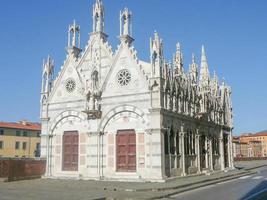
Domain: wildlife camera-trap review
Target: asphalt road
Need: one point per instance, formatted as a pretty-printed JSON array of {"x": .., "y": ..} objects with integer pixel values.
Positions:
[{"x": 252, "y": 187}]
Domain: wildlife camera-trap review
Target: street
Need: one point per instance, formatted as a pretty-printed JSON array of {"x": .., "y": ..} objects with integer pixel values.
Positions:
[
  {"x": 252, "y": 185},
  {"x": 243, "y": 188}
]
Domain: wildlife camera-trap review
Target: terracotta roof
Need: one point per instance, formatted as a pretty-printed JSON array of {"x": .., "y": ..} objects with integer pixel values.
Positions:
[
  {"x": 21, "y": 125},
  {"x": 261, "y": 134}
]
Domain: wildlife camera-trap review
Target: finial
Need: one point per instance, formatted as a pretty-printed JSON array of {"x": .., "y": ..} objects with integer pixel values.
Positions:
[
  {"x": 223, "y": 81},
  {"x": 203, "y": 54},
  {"x": 178, "y": 46},
  {"x": 156, "y": 35},
  {"x": 193, "y": 58}
]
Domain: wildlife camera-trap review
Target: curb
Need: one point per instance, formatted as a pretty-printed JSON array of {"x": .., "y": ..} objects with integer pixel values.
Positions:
[
  {"x": 182, "y": 186},
  {"x": 265, "y": 165}
]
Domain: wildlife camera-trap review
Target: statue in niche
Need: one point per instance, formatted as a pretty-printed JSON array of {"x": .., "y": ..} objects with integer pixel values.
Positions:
[
  {"x": 125, "y": 25},
  {"x": 93, "y": 97},
  {"x": 95, "y": 81},
  {"x": 97, "y": 22}
]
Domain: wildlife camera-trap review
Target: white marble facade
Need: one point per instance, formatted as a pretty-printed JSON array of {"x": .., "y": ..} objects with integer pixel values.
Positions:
[{"x": 182, "y": 121}]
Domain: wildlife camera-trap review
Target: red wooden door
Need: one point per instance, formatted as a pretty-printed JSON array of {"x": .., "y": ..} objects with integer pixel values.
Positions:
[
  {"x": 126, "y": 150},
  {"x": 70, "y": 151}
]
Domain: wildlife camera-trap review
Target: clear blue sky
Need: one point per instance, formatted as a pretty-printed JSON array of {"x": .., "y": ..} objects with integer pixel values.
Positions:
[{"x": 234, "y": 34}]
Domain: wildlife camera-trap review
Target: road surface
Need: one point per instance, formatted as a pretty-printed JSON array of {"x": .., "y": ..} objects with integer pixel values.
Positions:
[{"x": 253, "y": 187}]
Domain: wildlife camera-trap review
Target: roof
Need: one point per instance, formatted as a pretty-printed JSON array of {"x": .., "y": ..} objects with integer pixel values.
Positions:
[
  {"x": 21, "y": 125},
  {"x": 261, "y": 134}
]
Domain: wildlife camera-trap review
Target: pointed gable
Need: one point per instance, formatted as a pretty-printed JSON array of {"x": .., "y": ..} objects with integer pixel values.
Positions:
[
  {"x": 68, "y": 85},
  {"x": 126, "y": 74}
]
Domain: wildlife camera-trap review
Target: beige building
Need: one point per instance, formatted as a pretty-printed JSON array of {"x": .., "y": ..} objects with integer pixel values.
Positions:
[
  {"x": 255, "y": 148},
  {"x": 20, "y": 139},
  {"x": 250, "y": 145},
  {"x": 240, "y": 149}
]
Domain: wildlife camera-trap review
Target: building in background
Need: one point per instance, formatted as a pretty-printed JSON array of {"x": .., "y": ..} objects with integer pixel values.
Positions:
[
  {"x": 255, "y": 148},
  {"x": 240, "y": 149},
  {"x": 20, "y": 139},
  {"x": 250, "y": 145}
]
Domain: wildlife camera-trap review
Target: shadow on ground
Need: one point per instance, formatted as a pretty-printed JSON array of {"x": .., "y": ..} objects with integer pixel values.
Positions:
[{"x": 257, "y": 193}]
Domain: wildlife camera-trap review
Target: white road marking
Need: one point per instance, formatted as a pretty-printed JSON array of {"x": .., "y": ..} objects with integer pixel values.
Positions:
[
  {"x": 257, "y": 177},
  {"x": 244, "y": 177}
]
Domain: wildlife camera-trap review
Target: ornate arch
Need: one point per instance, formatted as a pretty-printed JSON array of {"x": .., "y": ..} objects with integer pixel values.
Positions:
[
  {"x": 121, "y": 109},
  {"x": 64, "y": 116}
]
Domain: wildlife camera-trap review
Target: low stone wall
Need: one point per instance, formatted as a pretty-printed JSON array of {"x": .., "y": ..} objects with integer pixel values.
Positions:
[
  {"x": 17, "y": 169},
  {"x": 249, "y": 158}
]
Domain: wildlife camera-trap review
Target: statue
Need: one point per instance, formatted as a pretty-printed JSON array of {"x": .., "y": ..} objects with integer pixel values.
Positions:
[
  {"x": 125, "y": 26},
  {"x": 98, "y": 25},
  {"x": 95, "y": 83}
]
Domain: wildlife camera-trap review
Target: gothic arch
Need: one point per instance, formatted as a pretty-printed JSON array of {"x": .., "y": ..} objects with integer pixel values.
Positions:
[
  {"x": 64, "y": 116},
  {"x": 122, "y": 109}
]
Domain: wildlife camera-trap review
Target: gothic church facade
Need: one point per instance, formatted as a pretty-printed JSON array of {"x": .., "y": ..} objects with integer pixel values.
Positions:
[{"x": 109, "y": 115}]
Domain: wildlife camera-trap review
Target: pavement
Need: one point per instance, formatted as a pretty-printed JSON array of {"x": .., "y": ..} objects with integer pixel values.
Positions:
[{"x": 43, "y": 189}]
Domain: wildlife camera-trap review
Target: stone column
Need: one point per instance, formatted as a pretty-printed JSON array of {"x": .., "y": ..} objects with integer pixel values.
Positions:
[
  {"x": 198, "y": 152},
  {"x": 230, "y": 153},
  {"x": 211, "y": 153},
  {"x": 175, "y": 152},
  {"x": 206, "y": 152},
  {"x": 169, "y": 149},
  {"x": 182, "y": 152},
  {"x": 47, "y": 156},
  {"x": 231, "y": 144},
  {"x": 221, "y": 150}
]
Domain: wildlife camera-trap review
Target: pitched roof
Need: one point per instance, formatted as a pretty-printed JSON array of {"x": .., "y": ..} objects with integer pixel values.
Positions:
[
  {"x": 21, "y": 125},
  {"x": 261, "y": 133}
]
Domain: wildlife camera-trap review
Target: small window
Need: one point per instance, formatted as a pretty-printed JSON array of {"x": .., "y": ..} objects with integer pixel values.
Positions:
[
  {"x": 1, "y": 132},
  {"x": 18, "y": 133},
  {"x": 38, "y": 134},
  {"x": 1, "y": 144},
  {"x": 24, "y": 145},
  {"x": 17, "y": 145},
  {"x": 25, "y": 134}
]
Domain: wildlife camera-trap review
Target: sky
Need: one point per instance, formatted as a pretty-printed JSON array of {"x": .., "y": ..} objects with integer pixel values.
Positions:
[{"x": 234, "y": 34}]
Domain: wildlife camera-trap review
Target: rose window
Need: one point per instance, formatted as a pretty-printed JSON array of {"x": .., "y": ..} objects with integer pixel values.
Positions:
[
  {"x": 70, "y": 85},
  {"x": 124, "y": 77}
]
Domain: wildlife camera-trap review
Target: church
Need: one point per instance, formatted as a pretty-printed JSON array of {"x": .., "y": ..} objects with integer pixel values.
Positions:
[{"x": 108, "y": 115}]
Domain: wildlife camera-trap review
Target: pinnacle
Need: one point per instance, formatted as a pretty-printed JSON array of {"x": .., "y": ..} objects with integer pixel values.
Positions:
[{"x": 193, "y": 58}]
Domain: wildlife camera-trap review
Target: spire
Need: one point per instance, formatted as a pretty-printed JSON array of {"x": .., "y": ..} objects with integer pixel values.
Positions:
[
  {"x": 126, "y": 26},
  {"x": 156, "y": 55},
  {"x": 74, "y": 35},
  {"x": 215, "y": 84},
  {"x": 98, "y": 16},
  {"x": 204, "y": 69},
  {"x": 193, "y": 70},
  {"x": 48, "y": 73},
  {"x": 178, "y": 61},
  {"x": 74, "y": 38}
]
